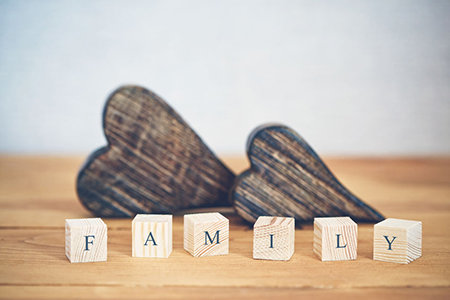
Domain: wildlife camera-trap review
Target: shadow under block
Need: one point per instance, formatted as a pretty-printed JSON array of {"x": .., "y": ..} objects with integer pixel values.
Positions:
[
  {"x": 273, "y": 238},
  {"x": 152, "y": 236},
  {"x": 397, "y": 241},
  {"x": 86, "y": 240},
  {"x": 206, "y": 234},
  {"x": 335, "y": 238}
]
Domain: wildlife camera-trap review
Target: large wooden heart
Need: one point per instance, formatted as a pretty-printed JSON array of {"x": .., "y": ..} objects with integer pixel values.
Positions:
[
  {"x": 287, "y": 178},
  {"x": 153, "y": 163}
]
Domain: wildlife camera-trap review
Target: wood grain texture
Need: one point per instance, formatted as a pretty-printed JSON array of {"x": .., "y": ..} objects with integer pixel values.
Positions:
[
  {"x": 287, "y": 178},
  {"x": 153, "y": 163},
  {"x": 273, "y": 238},
  {"x": 37, "y": 194},
  {"x": 335, "y": 238},
  {"x": 225, "y": 293},
  {"x": 86, "y": 240},
  {"x": 398, "y": 241},
  {"x": 206, "y": 234},
  {"x": 152, "y": 236}
]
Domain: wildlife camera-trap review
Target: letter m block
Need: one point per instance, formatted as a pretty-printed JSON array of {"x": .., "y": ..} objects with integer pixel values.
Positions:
[
  {"x": 86, "y": 240},
  {"x": 206, "y": 234}
]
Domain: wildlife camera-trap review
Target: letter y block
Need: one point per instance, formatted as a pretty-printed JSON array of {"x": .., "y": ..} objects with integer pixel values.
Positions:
[
  {"x": 397, "y": 241},
  {"x": 206, "y": 234}
]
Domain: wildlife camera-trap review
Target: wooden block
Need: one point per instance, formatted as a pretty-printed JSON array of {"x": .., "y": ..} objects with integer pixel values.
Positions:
[
  {"x": 206, "y": 234},
  {"x": 273, "y": 238},
  {"x": 398, "y": 241},
  {"x": 86, "y": 240},
  {"x": 152, "y": 236},
  {"x": 288, "y": 178},
  {"x": 335, "y": 238}
]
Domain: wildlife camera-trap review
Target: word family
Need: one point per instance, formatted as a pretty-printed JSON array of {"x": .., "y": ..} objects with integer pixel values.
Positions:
[{"x": 207, "y": 234}]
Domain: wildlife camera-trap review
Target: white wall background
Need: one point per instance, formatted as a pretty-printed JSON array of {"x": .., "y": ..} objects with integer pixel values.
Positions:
[{"x": 352, "y": 77}]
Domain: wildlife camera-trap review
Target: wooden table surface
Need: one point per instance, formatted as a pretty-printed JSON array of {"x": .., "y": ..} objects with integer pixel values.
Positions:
[{"x": 38, "y": 193}]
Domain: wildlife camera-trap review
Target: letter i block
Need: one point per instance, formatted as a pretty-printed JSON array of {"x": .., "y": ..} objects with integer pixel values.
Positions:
[
  {"x": 398, "y": 241},
  {"x": 273, "y": 238},
  {"x": 206, "y": 234},
  {"x": 152, "y": 236},
  {"x": 335, "y": 238},
  {"x": 86, "y": 240}
]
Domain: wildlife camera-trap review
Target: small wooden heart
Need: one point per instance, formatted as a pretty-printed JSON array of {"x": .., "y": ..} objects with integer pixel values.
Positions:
[
  {"x": 287, "y": 178},
  {"x": 153, "y": 163}
]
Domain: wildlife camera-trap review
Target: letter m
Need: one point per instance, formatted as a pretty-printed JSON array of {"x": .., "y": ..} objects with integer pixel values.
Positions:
[{"x": 211, "y": 240}]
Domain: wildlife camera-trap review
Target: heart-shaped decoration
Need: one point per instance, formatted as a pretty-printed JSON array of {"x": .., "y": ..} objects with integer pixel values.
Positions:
[
  {"x": 287, "y": 178},
  {"x": 153, "y": 163}
]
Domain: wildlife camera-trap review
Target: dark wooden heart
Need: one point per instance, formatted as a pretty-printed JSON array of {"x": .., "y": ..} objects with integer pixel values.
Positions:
[
  {"x": 153, "y": 163},
  {"x": 287, "y": 178}
]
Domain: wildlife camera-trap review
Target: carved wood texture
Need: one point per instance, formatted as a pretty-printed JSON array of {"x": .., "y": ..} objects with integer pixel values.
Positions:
[
  {"x": 153, "y": 163},
  {"x": 287, "y": 178}
]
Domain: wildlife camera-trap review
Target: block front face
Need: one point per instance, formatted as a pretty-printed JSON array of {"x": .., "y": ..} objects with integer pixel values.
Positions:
[
  {"x": 86, "y": 240},
  {"x": 273, "y": 238},
  {"x": 398, "y": 241},
  {"x": 335, "y": 238},
  {"x": 206, "y": 234},
  {"x": 152, "y": 236}
]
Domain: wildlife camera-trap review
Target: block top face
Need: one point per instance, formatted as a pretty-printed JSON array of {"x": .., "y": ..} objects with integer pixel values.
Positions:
[
  {"x": 273, "y": 221},
  {"x": 205, "y": 217},
  {"x": 334, "y": 221},
  {"x": 89, "y": 222},
  {"x": 152, "y": 218},
  {"x": 397, "y": 223}
]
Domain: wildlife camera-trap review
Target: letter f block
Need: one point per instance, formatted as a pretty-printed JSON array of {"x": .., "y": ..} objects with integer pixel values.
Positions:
[
  {"x": 86, "y": 240},
  {"x": 397, "y": 241},
  {"x": 152, "y": 236},
  {"x": 206, "y": 234},
  {"x": 335, "y": 238}
]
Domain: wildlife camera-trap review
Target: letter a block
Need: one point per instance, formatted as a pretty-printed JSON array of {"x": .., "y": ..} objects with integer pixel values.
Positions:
[
  {"x": 152, "y": 236},
  {"x": 206, "y": 234},
  {"x": 398, "y": 241},
  {"x": 86, "y": 240},
  {"x": 273, "y": 238},
  {"x": 335, "y": 238}
]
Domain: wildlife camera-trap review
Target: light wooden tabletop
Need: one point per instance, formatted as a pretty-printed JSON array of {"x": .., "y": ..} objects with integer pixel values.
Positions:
[{"x": 38, "y": 193}]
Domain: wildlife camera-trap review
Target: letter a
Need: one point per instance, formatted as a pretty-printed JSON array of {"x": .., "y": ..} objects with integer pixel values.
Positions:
[{"x": 150, "y": 238}]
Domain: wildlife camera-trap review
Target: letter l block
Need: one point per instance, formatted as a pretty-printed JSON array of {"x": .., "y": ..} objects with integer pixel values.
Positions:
[
  {"x": 335, "y": 238},
  {"x": 86, "y": 240},
  {"x": 206, "y": 234}
]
